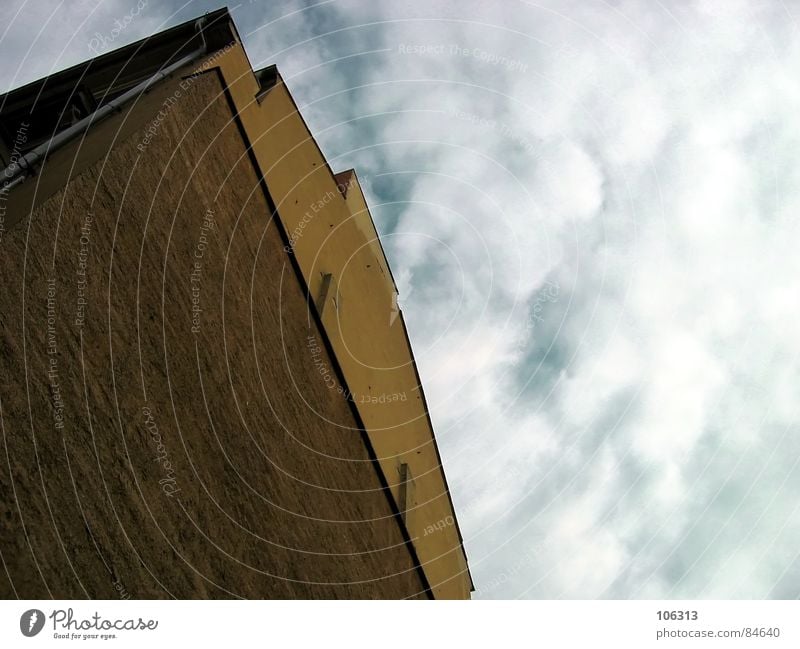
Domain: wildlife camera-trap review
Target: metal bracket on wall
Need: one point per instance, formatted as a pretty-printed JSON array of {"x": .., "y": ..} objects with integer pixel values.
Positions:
[
  {"x": 405, "y": 479},
  {"x": 324, "y": 289}
]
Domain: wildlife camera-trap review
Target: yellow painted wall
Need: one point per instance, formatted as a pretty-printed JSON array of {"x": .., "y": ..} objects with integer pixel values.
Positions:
[{"x": 371, "y": 346}]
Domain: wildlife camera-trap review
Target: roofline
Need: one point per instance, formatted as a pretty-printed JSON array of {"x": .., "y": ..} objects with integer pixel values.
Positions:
[
  {"x": 326, "y": 341},
  {"x": 191, "y": 40},
  {"x": 279, "y": 79},
  {"x": 416, "y": 374},
  {"x": 122, "y": 54}
]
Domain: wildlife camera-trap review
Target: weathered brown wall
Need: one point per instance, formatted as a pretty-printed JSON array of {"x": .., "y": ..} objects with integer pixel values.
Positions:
[{"x": 278, "y": 496}]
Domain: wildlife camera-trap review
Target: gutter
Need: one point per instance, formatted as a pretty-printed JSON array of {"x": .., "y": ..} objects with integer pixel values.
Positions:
[{"x": 18, "y": 171}]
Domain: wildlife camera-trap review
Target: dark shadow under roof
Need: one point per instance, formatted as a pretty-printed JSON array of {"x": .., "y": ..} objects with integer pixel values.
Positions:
[{"x": 42, "y": 108}]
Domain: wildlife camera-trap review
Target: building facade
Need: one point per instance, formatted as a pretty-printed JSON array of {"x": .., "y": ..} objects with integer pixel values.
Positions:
[{"x": 206, "y": 385}]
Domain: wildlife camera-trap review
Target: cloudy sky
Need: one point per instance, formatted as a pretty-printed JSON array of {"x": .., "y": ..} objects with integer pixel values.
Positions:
[{"x": 591, "y": 209}]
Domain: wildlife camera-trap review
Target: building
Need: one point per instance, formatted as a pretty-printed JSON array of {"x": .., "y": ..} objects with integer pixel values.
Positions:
[{"x": 206, "y": 387}]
